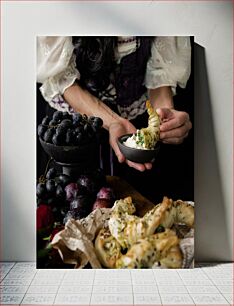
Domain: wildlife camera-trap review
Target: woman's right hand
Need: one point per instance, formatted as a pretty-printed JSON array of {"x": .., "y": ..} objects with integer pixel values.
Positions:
[{"x": 117, "y": 129}]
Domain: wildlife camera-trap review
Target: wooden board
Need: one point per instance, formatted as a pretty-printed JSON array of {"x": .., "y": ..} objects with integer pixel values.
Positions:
[{"x": 123, "y": 189}]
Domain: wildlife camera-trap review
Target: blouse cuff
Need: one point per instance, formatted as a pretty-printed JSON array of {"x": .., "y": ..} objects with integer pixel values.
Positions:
[
  {"x": 159, "y": 78},
  {"x": 57, "y": 84}
]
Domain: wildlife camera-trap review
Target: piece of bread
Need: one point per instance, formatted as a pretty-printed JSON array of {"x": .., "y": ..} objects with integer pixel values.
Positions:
[
  {"x": 107, "y": 248},
  {"x": 145, "y": 252}
]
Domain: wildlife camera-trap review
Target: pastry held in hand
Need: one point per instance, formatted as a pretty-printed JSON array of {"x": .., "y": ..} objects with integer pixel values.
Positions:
[{"x": 146, "y": 138}]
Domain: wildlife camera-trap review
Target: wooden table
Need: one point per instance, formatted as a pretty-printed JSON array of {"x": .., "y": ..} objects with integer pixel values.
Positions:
[{"x": 122, "y": 189}]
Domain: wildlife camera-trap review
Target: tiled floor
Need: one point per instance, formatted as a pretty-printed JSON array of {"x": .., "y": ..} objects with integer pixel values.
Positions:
[{"x": 207, "y": 284}]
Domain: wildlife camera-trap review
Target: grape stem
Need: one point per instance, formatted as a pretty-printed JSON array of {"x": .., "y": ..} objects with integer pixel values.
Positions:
[
  {"x": 42, "y": 177},
  {"x": 47, "y": 165}
]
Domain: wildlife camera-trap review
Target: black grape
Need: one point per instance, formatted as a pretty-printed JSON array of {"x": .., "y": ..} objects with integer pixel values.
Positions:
[
  {"x": 41, "y": 190},
  {"x": 66, "y": 115},
  {"x": 64, "y": 179},
  {"x": 48, "y": 135},
  {"x": 77, "y": 119},
  {"x": 66, "y": 123},
  {"x": 60, "y": 193},
  {"x": 41, "y": 130},
  {"x": 69, "y": 137},
  {"x": 57, "y": 139},
  {"x": 61, "y": 130},
  {"x": 51, "y": 173},
  {"x": 50, "y": 186},
  {"x": 58, "y": 115},
  {"x": 51, "y": 201},
  {"x": 45, "y": 120},
  {"x": 98, "y": 122},
  {"x": 53, "y": 122}
]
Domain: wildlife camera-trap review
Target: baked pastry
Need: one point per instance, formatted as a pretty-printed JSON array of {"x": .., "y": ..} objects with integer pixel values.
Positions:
[
  {"x": 173, "y": 259},
  {"x": 151, "y": 134},
  {"x": 175, "y": 212},
  {"x": 145, "y": 252},
  {"x": 137, "y": 235},
  {"x": 146, "y": 138},
  {"x": 107, "y": 248},
  {"x": 128, "y": 228}
]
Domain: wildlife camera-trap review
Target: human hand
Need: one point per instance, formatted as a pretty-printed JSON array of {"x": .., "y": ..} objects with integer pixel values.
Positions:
[
  {"x": 117, "y": 129},
  {"x": 175, "y": 125}
]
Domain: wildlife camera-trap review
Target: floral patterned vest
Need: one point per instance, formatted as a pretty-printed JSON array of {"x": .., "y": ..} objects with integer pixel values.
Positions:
[{"x": 130, "y": 74}]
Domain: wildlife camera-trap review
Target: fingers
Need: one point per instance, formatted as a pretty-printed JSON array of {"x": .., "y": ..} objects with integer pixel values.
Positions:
[
  {"x": 117, "y": 151},
  {"x": 148, "y": 166},
  {"x": 180, "y": 119},
  {"x": 174, "y": 141},
  {"x": 173, "y": 130},
  {"x": 165, "y": 113},
  {"x": 179, "y": 132},
  {"x": 139, "y": 167}
]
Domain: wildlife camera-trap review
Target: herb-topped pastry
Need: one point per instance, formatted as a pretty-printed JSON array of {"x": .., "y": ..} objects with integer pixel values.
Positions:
[{"x": 146, "y": 138}]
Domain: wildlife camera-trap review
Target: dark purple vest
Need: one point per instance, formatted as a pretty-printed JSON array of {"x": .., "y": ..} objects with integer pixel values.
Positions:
[{"x": 130, "y": 74}]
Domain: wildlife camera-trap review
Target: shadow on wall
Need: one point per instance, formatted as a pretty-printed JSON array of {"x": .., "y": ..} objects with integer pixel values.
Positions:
[{"x": 211, "y": 242}]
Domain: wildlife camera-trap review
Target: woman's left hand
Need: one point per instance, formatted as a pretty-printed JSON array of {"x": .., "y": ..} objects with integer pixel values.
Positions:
[
  {"x": 117, "y": 129},
  {"x": 175, "y": 125}
]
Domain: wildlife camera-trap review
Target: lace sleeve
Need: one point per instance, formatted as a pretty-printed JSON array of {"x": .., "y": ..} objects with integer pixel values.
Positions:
[
  {"x": 56, "y": 67},
  {"x": 170, "y": 62}
]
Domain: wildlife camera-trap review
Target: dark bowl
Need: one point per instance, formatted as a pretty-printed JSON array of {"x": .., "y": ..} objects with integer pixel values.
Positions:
[
  {"x": 137, "y": 155},
  {"x": 71, "y": 154}
]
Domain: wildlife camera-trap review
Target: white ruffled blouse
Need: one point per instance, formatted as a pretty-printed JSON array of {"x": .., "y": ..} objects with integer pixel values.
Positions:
[{"x": 169, "y": 65}]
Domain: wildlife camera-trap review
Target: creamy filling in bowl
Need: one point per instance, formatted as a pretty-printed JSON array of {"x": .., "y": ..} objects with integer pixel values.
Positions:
[{"x": 136, "y": 141}]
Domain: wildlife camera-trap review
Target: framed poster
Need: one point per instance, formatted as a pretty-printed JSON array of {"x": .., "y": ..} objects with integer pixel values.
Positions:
[{"x": 115, "y": 171}]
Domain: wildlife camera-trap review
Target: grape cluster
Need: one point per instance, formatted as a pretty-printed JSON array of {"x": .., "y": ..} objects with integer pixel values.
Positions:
[
  {"x": 80, "y": 207},
  {"x": 82, "y": 194},
  {"x": 51, "y": 191},
  {"x": 69, "y": 198},
  {"x": 64, "y": 129}
]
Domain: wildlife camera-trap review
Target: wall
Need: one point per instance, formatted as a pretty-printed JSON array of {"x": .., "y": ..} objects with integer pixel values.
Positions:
[{"x": 211, "y": 24}]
